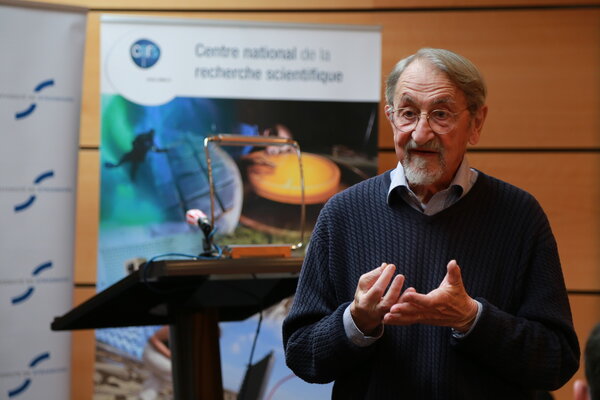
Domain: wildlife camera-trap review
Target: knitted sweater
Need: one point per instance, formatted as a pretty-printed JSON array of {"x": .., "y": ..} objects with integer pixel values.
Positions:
[{"x": 499, "y": 235}]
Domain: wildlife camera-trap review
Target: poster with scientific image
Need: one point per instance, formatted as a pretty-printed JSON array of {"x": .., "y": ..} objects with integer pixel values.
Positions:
[{"x": 166, "y": 85}]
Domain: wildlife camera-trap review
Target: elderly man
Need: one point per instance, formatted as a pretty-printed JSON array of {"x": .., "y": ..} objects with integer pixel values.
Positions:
[{"x": 432, "y": 280}]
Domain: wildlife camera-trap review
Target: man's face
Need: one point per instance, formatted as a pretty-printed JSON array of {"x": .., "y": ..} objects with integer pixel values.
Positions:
[{"x": 429, "y": 158}]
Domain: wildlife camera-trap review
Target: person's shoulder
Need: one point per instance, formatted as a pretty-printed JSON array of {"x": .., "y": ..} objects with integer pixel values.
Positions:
[
  {"x": 363, "y": 195},
  {"x": 506, "y": 193},
  {"x": 501, "y": 187},
  {"x": 368, "y": 188},
  {"x": 351, "y": 204}
]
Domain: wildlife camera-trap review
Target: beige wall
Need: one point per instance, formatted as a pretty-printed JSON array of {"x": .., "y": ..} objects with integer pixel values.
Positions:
[{"x": 543, "y": 131}]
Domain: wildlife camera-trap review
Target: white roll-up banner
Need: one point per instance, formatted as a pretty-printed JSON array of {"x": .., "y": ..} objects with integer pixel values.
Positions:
[
  {"x": 166, "y": 84},
  {"x": 41, "y": 47}
]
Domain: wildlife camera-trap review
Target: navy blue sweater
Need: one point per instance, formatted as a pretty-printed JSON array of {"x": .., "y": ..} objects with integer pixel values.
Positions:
[{"x": 501, "y": 239}]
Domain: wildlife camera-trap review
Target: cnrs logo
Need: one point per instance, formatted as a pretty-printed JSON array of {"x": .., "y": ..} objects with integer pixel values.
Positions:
[{"x": 144, "y": 53}]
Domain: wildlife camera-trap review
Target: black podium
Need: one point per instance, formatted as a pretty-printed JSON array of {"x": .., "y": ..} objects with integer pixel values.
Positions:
[{"x": 192, "y": 297}]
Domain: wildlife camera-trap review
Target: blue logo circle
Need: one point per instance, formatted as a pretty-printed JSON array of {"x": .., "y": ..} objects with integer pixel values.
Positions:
[{"x": 144, "y": 53}]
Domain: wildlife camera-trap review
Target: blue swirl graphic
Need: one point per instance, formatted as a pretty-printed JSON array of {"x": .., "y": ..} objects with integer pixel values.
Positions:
[
  {"x": 27, "y": 294},
  {"x": 16, "y": 391},
  {"x": 43, "y": 176},
  {"x": 43, "y": 85},
  {"x": 39, "y": 87},
  {"x": 40, "y": 178},
  {"x": 21, "y": 298},
  {"x": 42, "y": 267},
  {"x": 24, "y": 113},
  {"x": 23, "y": 386},
  {"x": 24, "y": 205},
  {"x": 38, "y": 359}
]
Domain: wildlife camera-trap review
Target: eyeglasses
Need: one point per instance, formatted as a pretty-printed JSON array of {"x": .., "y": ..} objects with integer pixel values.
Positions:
[{"x": 440, "y": 121}]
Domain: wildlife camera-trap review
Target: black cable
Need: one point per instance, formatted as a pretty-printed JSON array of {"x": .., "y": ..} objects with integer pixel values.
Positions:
[
  {"x": 258, "y": 326},
  {"x": 147, "y": 264},
  {"x": 244, "y": 387},
  {"x": 260, "y": 317}
]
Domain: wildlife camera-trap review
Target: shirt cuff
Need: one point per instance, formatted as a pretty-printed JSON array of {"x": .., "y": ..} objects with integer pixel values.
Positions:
[
  {"x": 355, "y": 335},
  {"x": 458, "y": 335}
]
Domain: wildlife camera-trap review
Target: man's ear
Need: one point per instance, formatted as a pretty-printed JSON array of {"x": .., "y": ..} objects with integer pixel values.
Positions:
[
  {"x": 477, "y": 125},
  {"x": 388, "y": 114},
  {"x": 581, "y": 391}
]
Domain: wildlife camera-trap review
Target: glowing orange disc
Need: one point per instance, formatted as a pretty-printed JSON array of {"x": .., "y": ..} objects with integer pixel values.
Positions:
[{"x": 277, "y": 177}]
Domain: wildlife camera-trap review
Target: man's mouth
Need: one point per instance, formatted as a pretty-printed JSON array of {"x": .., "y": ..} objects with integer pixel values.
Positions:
[{"x": 423, "y": 152}]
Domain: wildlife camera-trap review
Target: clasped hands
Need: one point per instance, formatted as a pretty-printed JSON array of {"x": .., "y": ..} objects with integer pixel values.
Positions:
[{"x": 448, "y": 305}]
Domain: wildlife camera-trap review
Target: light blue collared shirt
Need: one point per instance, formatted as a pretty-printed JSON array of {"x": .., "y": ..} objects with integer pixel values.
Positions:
[{"x": 463, "y": 181}]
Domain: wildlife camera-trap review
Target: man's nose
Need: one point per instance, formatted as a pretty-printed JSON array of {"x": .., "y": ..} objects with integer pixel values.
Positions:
[{"x": 422, "y": 132}]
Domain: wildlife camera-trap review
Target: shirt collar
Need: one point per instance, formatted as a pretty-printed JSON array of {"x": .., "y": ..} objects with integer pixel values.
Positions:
[{"x": 463, "y": 179}]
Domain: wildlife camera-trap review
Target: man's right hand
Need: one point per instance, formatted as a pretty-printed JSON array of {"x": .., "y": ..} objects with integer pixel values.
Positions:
[{"x": 371, "y": 301}]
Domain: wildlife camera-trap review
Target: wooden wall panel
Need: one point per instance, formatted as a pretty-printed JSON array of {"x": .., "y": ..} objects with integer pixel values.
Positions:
[
  {"x": 566, "y": 185},
  {"x": 477, "y": 3},
  {"x": 89, "y": 132},
  {"x": 387, "y": 160},
  {"x": 86, "y": 226},
  {"x": 535, "y": 63},
  {"x": 82, "y": 354},
  {"x": 310, "y": 4}
]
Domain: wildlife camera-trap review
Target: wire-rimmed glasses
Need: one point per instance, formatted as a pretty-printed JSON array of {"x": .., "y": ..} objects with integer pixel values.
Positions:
[{"x": 441, "y": 121}]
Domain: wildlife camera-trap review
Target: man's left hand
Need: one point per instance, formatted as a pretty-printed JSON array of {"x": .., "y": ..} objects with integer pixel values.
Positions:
[{"x": 448, "y": 305}]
